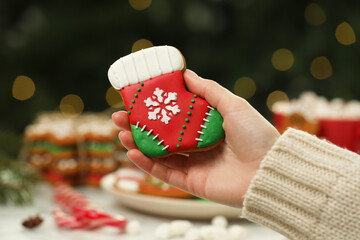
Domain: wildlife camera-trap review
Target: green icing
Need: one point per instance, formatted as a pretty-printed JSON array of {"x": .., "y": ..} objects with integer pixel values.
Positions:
[
  {"x": 48, "y": 146},
  {"x": 61, "y": 149},
  {"x": 146, "y": 144},
  {"x": 213, "y": 132},
  {"x": 38, "y": 145},
  {"x": 100, "y": 147}
]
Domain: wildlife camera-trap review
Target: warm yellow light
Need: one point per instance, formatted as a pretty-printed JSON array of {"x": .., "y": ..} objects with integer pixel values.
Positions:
[
  {"x": 314, "y": 14},
  {"x": 245, "y": 87},
  {"x": 113, "y": 98},
  {"x": 140, "y": 4},
  {"x": 276, "y": 96},
  {"x": 282, "y": 59},
  {"x": 71, "y": 105},
  {"x": 23, "y": 88},
  {"x": 345, "y": 34},
  {"x": 141, "y": 44},
  {"x": 321, "y": 68}
]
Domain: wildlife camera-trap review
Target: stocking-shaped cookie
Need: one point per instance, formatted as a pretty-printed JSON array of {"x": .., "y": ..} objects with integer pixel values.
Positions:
[{"x": 165, "y": 118}]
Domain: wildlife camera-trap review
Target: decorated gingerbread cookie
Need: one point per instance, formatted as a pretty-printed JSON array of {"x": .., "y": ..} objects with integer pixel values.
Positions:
[
  {"x": 153, "y": 186},
  {"x": 165, "y": 118}
]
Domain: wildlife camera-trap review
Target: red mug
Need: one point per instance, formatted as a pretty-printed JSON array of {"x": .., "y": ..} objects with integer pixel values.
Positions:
[{"x": 344, "y": 133}]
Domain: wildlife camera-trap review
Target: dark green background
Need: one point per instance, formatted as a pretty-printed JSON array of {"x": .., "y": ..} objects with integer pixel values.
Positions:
[{"x": 67, "y": 46}]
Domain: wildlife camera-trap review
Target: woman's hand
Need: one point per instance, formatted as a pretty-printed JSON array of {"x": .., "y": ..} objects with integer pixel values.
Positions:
[{"x": 224, "y": 173}]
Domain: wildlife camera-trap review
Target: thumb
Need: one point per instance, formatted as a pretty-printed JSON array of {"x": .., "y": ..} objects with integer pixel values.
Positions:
[{"x": 216, "y": 95}]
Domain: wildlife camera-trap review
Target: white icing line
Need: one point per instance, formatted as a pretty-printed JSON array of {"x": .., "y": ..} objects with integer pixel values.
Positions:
[
  {"x": 202, "y": 126},
  {"x": 206, "y": 120},
  {"x": 183, "y": 154},
  {"x": 165, "y": 147},
  {"x": 112, "y": 75},
  {"x": 168, "y": 52},
  {"x": 201, "y": 133},
  {"x": 127, "y": 80},
  {"x": 155, "y": 136},
  {"x": 177, "y": 62},
  {"x": 160, "y": 142},
  {"x": 153, "y": 65},
  {"x": 198, "y": 139},
  {"x": 143, "y": 128},
  {"x": 164, "y": 60},
  {"x": 150, "y": 132},
  {"x": 137, "y": 124},
  {"x": 211, "y": 108},
  {"x": 208, "y": 114},
  {"x": 146, "y": 63},
  {"x": 136, "y": 71},
  {"x": 140, "y": 66},
  {"x": 158, "y": 61}
]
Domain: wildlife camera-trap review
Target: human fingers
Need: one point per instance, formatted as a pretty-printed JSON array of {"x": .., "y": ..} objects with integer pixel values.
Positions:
[
  {"x": 217, "y": 96},
  {"x": 169, "y": 175},
  {"x": 121, "y": 119},
  {"x": 175, "y": 161},
  {"x": 127, "y": 140}
]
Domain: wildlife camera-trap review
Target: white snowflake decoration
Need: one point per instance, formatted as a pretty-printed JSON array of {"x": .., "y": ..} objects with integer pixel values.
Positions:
[{"x": 156, "y": 101}]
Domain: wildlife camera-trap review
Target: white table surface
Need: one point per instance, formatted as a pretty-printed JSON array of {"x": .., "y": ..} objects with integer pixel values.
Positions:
[{"x": 11, "y": 218}]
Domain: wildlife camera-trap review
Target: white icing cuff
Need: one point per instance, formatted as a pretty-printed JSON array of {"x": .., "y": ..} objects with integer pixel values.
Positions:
[{"x": 145, "y": 64}]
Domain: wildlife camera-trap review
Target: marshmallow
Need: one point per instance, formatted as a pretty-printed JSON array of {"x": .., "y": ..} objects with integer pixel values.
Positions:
[
  {"x": 213, "y": 233},
  {"x": 237, "y": 232},
  {"x": 219, "y": 221},
  {"x": 133, "y": 227},
  {"x": 128, "y": 185},
  {"x": 193, "y": 234},
  {"x": 162, "y": 232},
  {"x": 179, "y": 227}
]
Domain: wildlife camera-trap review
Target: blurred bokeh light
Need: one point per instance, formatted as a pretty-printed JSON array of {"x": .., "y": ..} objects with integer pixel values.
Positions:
[
  {"x": 314, "y": 14},
  {"x": 245, "y": 87},
  {"x": 23, "y": 88},
  {"x": 345, "y": 34},
  {"x": 113, "y": 98},
  {"x": 71, "y": 105},
  {"x": 321, "y": 68},
  {"x": 140, "y": 4},
  {"x": 141, "y": 44},
  {"x": 282, "y": 59},
  {"x": 276, "y": 96}
]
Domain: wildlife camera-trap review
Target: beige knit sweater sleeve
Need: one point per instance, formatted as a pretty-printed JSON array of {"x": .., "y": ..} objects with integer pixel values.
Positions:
[{"x": 307, "y": 188}]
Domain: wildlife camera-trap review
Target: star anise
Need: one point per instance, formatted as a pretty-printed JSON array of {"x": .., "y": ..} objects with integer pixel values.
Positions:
[{"x": 32, "y": 222}]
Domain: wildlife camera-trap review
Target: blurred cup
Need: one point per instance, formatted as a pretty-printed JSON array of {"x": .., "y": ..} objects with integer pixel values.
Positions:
[
  {"x": 278, "y": 120},
  {"x": 295, "y": 120},
  {"x": 344, "y": 133}
]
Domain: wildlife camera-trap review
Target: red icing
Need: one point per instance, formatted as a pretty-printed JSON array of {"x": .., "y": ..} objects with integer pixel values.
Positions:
[
  {"x": 54, "y": 177},
  {"x": 170, "y": 133},
  {"x": 95, "y": 177}
]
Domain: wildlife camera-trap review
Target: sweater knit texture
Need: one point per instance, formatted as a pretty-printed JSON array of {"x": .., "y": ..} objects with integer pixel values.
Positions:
[{"x": 306, "y": 188}]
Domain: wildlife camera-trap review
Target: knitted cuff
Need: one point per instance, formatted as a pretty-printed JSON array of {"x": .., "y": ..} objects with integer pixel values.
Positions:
[{"x": 306, "y": 188}]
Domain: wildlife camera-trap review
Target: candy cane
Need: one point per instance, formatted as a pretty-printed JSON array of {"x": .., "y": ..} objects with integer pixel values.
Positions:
[
  {"x": 65, "y": 220},
  {"x": 84, "y": 214}
]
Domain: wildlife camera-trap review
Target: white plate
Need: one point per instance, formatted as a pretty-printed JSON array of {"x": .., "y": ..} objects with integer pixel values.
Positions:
[{"x": 169, "y": 207}]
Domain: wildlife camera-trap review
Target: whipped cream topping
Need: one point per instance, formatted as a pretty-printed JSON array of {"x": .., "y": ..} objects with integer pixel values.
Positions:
[{"x": 314, "y": 107}]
